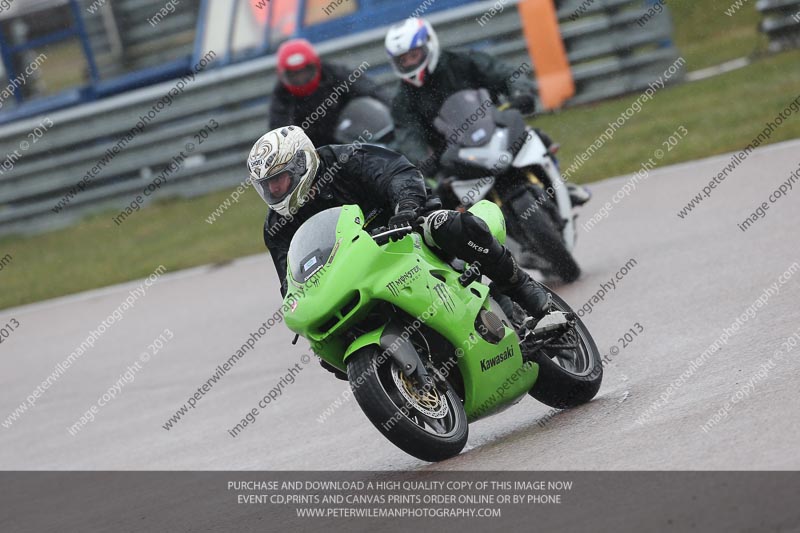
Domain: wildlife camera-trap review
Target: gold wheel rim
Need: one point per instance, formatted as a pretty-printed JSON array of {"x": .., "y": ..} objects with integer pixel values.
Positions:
[{"x": 430, "y": 399}]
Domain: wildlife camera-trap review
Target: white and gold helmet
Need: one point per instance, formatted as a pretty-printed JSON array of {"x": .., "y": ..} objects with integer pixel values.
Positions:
[{"x": 288, "y": 155}]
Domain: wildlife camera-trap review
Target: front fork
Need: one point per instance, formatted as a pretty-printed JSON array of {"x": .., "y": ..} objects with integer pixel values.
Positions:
[{"x": 403, "y": 352}]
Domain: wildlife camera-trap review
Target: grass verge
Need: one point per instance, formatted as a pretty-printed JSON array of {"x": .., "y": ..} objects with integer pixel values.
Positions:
[
  {"x": 722, "y": 114},
  {"x": 706, "y": 35},
  {"x": 96, "y": 252}
]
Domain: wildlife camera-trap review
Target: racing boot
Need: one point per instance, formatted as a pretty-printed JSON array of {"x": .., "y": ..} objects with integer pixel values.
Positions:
[{"x": 515, "y": 283}]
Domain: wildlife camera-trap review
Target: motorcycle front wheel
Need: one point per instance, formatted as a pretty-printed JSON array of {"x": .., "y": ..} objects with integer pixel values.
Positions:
[
  {"x": 571, "y": 369},
  {"x": 427, "y": 423},
  {"x": 542, "y": 236}
]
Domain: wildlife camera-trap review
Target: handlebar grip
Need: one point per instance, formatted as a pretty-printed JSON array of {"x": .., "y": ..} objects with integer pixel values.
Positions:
[
  {"x": 377, "y": 230},
  {"x": 386, "y": 234}
]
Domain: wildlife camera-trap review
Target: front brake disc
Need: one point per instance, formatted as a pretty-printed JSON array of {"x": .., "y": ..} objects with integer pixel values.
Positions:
[{"x": 428, "y": 402}]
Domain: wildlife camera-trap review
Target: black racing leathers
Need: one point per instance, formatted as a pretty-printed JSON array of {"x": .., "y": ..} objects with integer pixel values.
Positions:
[
  {"x": 382, "y": 182},
  {"x": 318, "y": 113},
  {"x": 374, "y": 178},
  {"x": 415, "y": 108}
]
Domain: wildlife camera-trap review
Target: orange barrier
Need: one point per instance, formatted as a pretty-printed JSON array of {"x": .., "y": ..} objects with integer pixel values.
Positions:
[{"x": 546, "y": 48}]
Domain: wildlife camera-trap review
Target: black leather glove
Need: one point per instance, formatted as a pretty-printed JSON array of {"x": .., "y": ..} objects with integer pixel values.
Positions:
[
  {"x": 402, "y": 218},
  {"x": 524, "y": 102},
  {"x": 405, "y": 214}
]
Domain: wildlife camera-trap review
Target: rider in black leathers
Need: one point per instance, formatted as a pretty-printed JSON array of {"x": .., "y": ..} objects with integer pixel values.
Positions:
[
  {"x": 431, "y": 75},
  {"x": 297, "y": 181}
]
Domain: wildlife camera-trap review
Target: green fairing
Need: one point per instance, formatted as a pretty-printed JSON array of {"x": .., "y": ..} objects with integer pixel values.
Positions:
[
  {"x": 409, "y": 275},
  {"x": 373, "y": 337}
]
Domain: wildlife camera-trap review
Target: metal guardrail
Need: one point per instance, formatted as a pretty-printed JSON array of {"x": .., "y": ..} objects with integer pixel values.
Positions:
[
  {"x": 123, "y": 45},
  {"x": 611, "y": 54},
  {"x": 781, "y": 23},
  {"x": 123, "y": 39}
]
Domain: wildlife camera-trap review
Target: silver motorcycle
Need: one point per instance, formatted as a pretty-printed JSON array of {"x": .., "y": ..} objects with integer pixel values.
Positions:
[{"x": 492, "y": 154}]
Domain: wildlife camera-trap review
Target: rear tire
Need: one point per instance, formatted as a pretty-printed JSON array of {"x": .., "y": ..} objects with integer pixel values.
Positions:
[
  {"x": 543, "y": 237},
  {"x": 562, "y": 387},
  {"x": 380, "y": 399}
]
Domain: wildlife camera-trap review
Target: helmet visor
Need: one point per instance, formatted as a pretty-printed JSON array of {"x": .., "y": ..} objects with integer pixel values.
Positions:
[
  {"x": 299, "y": 77},
  {"x": 412, "y": 60},
  {"x": 283, "y": 182}
]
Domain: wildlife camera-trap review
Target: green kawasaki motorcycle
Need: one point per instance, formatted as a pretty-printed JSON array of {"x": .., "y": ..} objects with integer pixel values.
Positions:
[{"x": 427, "y": 347}]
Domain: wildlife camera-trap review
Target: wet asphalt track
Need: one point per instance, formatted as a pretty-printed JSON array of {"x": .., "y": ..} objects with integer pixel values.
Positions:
[{"x": 693, "y": 277}]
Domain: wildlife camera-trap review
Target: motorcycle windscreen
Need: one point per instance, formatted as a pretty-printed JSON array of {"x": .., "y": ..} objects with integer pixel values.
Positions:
[
  {"x": 466, "y": 118},
  {"x": 312, "y": 244}
]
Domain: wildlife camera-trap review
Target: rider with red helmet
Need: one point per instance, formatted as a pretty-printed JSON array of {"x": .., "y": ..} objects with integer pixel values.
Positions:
[{"x": 310, "y": 93}]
